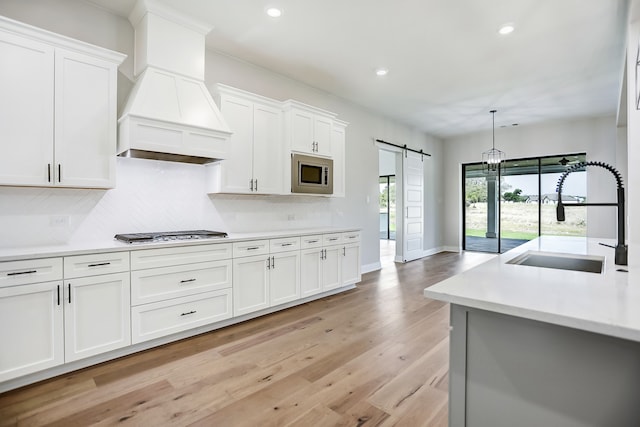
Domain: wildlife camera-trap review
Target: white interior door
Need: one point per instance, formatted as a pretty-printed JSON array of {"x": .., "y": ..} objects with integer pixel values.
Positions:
[{"x": 413, "y": 209}]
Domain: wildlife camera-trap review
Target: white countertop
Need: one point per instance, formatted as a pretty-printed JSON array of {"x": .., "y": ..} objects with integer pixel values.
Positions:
[
  {"x": 80, "y": 248},
  {"x": 607, "y": 303}
]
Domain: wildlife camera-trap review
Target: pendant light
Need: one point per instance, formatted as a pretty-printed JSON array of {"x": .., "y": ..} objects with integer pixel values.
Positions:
[{"x": 492, "y": 159}]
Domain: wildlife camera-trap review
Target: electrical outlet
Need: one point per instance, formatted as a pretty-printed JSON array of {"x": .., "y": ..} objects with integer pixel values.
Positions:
[{"x": 58, "y": 221}]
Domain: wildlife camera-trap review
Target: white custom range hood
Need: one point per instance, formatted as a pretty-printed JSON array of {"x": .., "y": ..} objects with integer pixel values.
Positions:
[{"x": 170, "y": 114}]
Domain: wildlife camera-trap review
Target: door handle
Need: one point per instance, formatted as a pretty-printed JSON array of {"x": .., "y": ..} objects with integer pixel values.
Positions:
[
  {"x": 48, "y": 172},
  {"x": 251, "y": 184},
  {"x": 58, "y": 291},
  {"x": 273, "y": 262},
  {"x": 268, "y": 263},
  {"x": 59, "y": 172},
  {"x": 69, "y": 293}
]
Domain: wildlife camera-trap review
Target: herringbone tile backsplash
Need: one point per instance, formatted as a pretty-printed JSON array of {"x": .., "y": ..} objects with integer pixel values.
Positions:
[{"x": 149, "y": 196}]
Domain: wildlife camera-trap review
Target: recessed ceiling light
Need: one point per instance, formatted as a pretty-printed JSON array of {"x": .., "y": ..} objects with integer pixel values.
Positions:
[
  {"x": 506, "y": 29},
  {"x": 274, "y": 12},
  {"x": 381, "y": 72}
]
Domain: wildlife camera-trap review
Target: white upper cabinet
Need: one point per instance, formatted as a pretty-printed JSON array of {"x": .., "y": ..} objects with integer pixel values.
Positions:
[
  {"x": 58, "y": 109},
  {"x": 338, "y": 149},
  {"x": 255, "y": 160},
  {"x": 308, "y": 129}
]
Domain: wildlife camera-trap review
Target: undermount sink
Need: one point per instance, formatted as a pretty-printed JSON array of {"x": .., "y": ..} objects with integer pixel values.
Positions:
[{"x": 561, "y": 261}]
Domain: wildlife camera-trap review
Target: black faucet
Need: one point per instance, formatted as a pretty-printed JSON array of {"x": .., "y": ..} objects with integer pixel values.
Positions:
[{"x": 621, "y": 248}]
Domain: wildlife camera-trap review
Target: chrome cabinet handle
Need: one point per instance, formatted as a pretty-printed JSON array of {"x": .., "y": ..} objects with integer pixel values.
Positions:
[
  {"x": 251, "y": 184},
  {"x": 100, "y": 264},
  {"x": 273, "y": 262},
  {"x": 58, "y": 291},
  {"x": 344, "y": 251},
  {"x": 187, "y": 280},
  {"x": 312, "y": 241},
  {"x": 256, "y": 185},
  {"x": 253, "y": 248},
  {"x": 333, "y": 239},
  {"x": 268, "y": 263},
  {"x": 59, "y": 172},
  {"x": 17, "y": 273},
  {"x": 48, "y": 172},
  {"x": 188, "y": 313},
  {"x": 69, "y": 293},
  {"x": 286, "y": 244}
]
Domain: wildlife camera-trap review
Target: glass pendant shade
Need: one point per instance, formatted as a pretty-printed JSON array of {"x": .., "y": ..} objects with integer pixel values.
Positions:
[{"x": 493, "y": 158}]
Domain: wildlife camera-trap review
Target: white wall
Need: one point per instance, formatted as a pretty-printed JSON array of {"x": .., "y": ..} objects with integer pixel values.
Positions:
[
  {"x": 153, "y": 196},
  {"x": 633, "y": 124},
  {"x": 387, "y": 163},
  {"x": 597, "y": 137}
]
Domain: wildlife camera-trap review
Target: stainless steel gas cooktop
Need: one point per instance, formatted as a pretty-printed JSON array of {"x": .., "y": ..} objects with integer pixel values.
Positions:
[{"x": 170, "y": 236}]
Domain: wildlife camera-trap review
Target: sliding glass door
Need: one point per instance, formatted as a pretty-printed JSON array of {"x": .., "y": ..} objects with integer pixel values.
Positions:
[
  {"x": 505, "y": 210},
  {"x": 519, "y": 213}
]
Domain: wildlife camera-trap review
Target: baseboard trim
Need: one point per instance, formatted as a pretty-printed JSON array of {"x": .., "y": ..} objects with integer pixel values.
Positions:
[{"x": 368, "y": 268}]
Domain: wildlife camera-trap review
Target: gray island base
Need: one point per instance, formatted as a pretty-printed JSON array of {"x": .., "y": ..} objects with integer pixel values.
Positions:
[{"x": 512, "y": 371}]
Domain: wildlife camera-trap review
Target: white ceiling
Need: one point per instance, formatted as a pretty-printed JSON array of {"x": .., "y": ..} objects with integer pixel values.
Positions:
[{"x": 447, "y": 64}]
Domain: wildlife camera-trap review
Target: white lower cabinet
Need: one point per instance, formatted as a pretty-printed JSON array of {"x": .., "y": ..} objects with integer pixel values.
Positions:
[
  {"x": 250, "y": 284},
  {"x": 267, "y": 280},
  {"x": 176, "y": 289},
  {"x": 284, "y": 277},
  {"x": 163, "y": 318},
  {"x": 96, "y": 315},
  {"x": 60, "y": 310},
  {"x": 351, "y": 272},
  {"x": 331, "y": 261},
  {"x": 64, "y": 320},
  {"x": 31, "y": 328}
]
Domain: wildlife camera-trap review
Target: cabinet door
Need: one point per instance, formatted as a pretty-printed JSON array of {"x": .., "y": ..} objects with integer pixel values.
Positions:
[
  {"x": 237, "y": 168},
  {"x": 85, "y": 121},
  {"x": 302, "y": 131},
  {"x": 338, "y": 153},
  {"x": 351, "y": 264},
  {"x": 310, "y": 272},
  {"x": 322, "y": 135},
  {"x": 31, "y": 333},
  {"x": 332, "y": 267},
  {"x": 268, "y": 158},
  {"x": 284, "y": 277},
  {"x": 26, "y": 111},
  {"x": 250, "y": 284},
  {"x": 97, "y": 315}
]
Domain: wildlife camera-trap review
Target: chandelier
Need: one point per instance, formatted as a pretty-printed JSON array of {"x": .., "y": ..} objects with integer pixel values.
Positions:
[{"x": 492, "y": 159}]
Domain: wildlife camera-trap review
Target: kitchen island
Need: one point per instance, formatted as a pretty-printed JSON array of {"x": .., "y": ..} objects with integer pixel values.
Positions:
[{"x": 533, "y": 346}]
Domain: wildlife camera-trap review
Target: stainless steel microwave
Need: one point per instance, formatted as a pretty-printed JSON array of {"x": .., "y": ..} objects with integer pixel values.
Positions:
[{"x": 311, "y": 174}]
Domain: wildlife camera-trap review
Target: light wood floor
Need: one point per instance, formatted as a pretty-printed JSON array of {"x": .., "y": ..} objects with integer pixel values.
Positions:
[{"x": 376, "y": 355}]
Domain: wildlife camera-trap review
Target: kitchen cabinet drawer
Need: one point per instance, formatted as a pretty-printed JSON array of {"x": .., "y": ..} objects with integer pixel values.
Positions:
[
  {"x": 30, "y": 271},
  {"x": 250, "y": 248},
  {"x": 331, "y": 239},
  {"x": 95, "y": 264},
  {"x": 177, "y": 281},
  {"x": 165, "y": 257},
  {"x": 308, "y": 242},
  {"x": 351, "y": 237},
  {"x": 163, "y": 318},
  {"x": 284, "y": 244}
]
